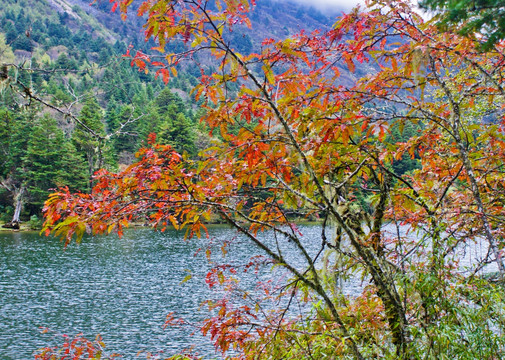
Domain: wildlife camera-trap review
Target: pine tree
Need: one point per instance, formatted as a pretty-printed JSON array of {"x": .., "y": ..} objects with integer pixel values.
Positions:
[
  {"x": 6, "y": 54},
  {"x": 86, "y": 143},
  {"x": 176, "y": 130},
  {"x": 167, "y": 98},
  {"x": 126, "y": 141},
  {"x": 13, "y": 143},
  {"x": 73, "y": 169},
  {"x": 42, "y": 161},
  {"x": 168, "y": 118}
]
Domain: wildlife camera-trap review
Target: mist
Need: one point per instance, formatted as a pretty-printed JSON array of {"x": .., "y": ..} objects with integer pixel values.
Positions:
[{"x": 331, "y": 5}]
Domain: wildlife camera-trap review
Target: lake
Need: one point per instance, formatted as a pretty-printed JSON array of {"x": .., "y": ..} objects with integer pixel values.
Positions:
[{"x": 121, "y": 288}]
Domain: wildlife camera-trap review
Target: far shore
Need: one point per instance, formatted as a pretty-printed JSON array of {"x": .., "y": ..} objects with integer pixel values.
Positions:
[{"x": 24, "y": 226}]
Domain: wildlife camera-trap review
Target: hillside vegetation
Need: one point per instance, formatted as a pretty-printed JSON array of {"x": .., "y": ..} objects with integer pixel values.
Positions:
[{"x": 67, "y": 87}]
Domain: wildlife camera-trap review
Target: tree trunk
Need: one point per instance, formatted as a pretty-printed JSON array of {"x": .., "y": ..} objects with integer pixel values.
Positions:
[
  {"x": 90, "y": 157},
  {"x": 18, "y": 206}
]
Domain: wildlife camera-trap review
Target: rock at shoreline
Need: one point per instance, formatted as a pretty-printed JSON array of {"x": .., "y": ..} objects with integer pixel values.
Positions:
[{"x": 11, "y": 225}]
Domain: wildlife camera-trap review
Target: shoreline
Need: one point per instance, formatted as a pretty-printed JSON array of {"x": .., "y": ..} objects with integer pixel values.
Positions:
[{"x": 25, "y": 226}]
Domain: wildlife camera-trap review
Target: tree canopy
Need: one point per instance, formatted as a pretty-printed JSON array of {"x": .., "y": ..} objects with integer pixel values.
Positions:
[
  {"x": 482, "y": 18},
  {"x": 90, "y": 92},
  {"x": 310, "y": 141}
]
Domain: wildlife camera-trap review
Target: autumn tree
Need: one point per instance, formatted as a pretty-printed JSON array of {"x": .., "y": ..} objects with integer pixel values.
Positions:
[{"x": 312, "y": 142}]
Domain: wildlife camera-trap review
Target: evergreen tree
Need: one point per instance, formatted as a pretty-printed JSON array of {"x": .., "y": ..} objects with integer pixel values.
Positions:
[
  {"x": 484, "y": 18},
  {"x": 41, "y": 162},
  {"x": 150, "y": 123},
  {"x": 50, "y": 161},
  {"x": 86, "y": 143},
  {"x": 407, "y": 163},
  {"x": 126, "y": 141},
  {"x": 13, "y": 144},
  {"x": 111, "y": 115},
  {"x": 74, "y": 172},
  {"x": 6, "y": 54},
  {"x": 166, "y": 98},
  {"x": 176, "y": 130}
]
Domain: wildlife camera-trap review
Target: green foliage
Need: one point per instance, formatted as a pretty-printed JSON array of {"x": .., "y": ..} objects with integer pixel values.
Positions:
[
  {"x": 13, "y": 141},
  {"x": 35, "y": 223},
  {"x": 6, "y": 214},
  {"x": 5, "y": 133},
  {"x": 169, "y": 117},
  {"x": 66, "y": 49},
  {"x": 74, "y": 172},
  {"x": 6, "y": 54},
  {"x": 470, "y": 17},
  {"x": 167, "y": 99},
  {"x": 177, "y": 131},
  {"x": 87, "y": 133},
  {"x": 122, "y": 120},
  {"x": 35, "y": 154},
  {"x": 49, "y": 162},
  {"x": 407, "y": 162}
]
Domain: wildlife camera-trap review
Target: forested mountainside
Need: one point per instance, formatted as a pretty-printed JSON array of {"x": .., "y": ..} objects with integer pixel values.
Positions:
[
  {"x": 70, "y": 103},
  {"x": 68, "y": 54}
]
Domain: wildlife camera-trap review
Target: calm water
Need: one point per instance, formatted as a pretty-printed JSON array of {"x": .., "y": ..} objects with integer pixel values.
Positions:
[{"x": 119, "y": 288}]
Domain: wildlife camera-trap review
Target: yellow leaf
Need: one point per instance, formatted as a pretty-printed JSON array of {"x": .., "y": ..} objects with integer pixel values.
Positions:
[
  {"x": 269, "y": 74},
  {"x": 187, "y": 277},
  {"x": 197, "y": 41},
  {"x": 394, "y": 64}
]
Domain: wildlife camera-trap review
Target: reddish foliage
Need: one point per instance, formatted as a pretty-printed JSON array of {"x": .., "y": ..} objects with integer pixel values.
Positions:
[{"x": 309, "y": 142}]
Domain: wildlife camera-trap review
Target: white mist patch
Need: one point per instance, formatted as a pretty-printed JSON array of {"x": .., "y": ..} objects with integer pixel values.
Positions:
[{"x": 330, "y": 5}]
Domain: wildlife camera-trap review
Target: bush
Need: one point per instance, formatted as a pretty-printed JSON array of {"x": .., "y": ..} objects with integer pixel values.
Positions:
[{"x": 35, "y": 223}]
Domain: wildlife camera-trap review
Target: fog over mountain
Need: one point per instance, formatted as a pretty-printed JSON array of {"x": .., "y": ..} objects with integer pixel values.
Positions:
[{"x": 331, "y": 5}]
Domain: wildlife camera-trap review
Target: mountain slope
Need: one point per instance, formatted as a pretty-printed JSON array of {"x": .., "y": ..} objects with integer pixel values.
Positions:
[{"x": 68, "y": 56}]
